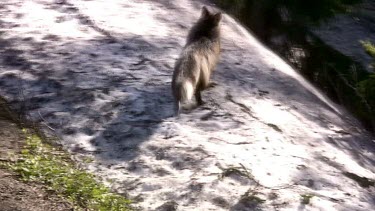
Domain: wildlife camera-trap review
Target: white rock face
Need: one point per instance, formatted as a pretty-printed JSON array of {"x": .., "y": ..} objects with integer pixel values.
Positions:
[{"x": 97, "y": 74}]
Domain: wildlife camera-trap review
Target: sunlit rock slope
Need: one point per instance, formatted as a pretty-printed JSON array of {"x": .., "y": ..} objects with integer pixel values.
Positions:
[{"x": 97, "y": 75}]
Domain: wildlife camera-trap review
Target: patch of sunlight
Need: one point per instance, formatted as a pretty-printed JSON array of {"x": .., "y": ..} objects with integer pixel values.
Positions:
[
  {"x": 239, "y": 32},
  {"x": 38, "y": 16},
  {"x": 123, "y": 19}
]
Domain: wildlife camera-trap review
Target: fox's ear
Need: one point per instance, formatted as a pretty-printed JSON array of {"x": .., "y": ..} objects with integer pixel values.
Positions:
[
  {"x": 217, "y": 17},
  {"x": 205, "y": 12}
]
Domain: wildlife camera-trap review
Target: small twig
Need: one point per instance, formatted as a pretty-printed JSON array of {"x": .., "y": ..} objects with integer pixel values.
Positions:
[
  {"x": 248, "y": 174},
  {"x": 238, "y": 143},
  {"x": 45, "y": 121}
]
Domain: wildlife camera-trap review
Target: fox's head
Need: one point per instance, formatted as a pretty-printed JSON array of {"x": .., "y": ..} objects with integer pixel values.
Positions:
[
  {"x": 207, "y": 26},
  {"x": 210, "y": 18}
]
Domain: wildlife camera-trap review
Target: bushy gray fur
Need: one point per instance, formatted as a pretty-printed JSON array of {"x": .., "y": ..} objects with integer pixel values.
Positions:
[{"x": 198, "y": 59}]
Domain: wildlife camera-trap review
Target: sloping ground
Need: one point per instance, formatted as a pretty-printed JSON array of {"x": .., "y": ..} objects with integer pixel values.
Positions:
[{"x": 97, "y": 74}]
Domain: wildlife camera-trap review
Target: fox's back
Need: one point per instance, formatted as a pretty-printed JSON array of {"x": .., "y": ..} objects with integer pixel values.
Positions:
[
  {"x": 198, "y": 58},
  {"x": 200, "y": 55}
]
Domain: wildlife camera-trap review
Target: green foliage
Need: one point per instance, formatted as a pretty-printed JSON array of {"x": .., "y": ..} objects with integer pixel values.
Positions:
[
  {"x": 369, "y": 48},
  {"x": 305, "y": 198},
  {"x": 41, "y": 163},
  {"x": 367, "y": 87}
]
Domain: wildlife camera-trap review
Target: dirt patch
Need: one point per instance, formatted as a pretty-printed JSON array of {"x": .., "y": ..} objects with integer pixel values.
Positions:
[{"x": 14, "y": 194}]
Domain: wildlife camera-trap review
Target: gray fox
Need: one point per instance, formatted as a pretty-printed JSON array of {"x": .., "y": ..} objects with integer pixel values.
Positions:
[{"x": 197, "y": 60}]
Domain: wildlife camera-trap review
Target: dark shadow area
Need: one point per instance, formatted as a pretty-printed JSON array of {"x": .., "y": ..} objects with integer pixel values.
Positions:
[
  {"x": 64, "y": 100},
  {"x": 252, "y": 203},
  {"x": 61, "y": 97}
]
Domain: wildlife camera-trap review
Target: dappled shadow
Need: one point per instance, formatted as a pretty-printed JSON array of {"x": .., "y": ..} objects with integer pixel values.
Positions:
[
  {"x": 62, "y": 102},
  {"x": 359, "y": 147},
  {"x": 71, "y": 11},
  {"x": 109, "y": 95},
  {"x": 113, "y": 91},
  {"x": 335, "y": 176},
  {"x": 247, "y": 204},
  {"x": 348, "y": 136}
]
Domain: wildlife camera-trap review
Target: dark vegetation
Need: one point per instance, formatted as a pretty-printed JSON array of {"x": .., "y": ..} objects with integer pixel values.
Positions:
[{"x": 284, "y": 25}]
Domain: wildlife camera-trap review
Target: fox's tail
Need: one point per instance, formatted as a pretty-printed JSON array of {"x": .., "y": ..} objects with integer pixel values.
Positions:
[{"x": 184, "y": 92}]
